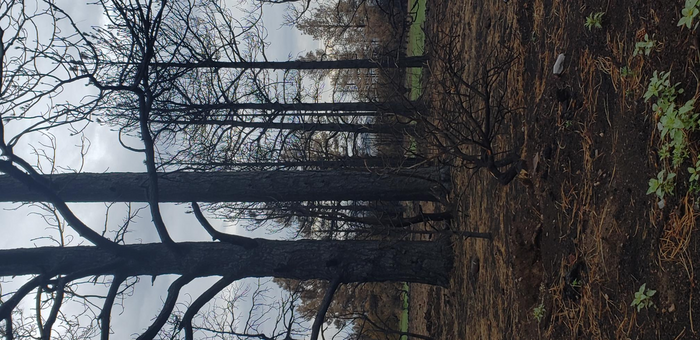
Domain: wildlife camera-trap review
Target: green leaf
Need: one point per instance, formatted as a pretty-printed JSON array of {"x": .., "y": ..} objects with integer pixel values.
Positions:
[{"x": 653, "y": 185}]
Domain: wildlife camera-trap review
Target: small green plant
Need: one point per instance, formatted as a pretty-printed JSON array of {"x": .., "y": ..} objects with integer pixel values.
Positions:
[
  {"x": 626, "y": 72},
  {"x": 576, "y": 283},
  {"x": 694, "y": 178},
  {"x": 412, "y": 148},
  {"x": 644, "y": 46},
  {"x": 594, "y": 20},
  {"x": 538, "y": 312},
  {"x": 642, "y": 298},
  {"x": 662, "y": 184},
  {"x": 689, "y": 12},
  {"x": 657, "y": 85}
]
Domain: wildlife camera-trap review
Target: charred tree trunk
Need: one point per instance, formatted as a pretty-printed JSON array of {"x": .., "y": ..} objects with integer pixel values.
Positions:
[
  {"x": 352, "y": 261},
  {"x": 286, "y": 107},
  {"x": 417, "y": 61},
  {"x": 307, "y": 127},
  {"x": 339, "y": 163},
  {"x": 250, "y": 186}
]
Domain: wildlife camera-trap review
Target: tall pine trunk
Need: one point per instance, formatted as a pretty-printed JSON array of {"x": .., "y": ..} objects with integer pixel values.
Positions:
[
  {"x": 307, "y": 127},
  {"x": 354, "y": 261},
  {"x": 424, "y": 184},
  {"x": 394, "y": 107},
  {"x": 417, "y": 61}
]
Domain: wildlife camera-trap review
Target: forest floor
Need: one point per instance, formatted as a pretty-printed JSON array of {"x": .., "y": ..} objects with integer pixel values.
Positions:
[{"x": 576, "y": 235}]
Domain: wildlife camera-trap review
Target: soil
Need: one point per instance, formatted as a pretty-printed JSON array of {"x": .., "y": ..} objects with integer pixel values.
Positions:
[{"x": 576, "y": 232}]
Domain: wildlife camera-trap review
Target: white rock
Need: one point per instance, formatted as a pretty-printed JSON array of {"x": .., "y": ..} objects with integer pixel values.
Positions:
[{"x": 559, "y": 64}]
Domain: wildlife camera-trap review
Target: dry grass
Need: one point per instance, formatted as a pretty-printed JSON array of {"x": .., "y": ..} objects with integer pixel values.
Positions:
[{"x": 675, "y": 241}]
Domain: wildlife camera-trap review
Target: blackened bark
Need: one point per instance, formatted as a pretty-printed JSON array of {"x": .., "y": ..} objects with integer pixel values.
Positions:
[
  {"x": 308, "y": 127},
  {"x": 353, "y": 261},
  {"x": 416, "y": 61},
  {"x": 423, "y": 184},
  {"x": 282, "y": 107},
  {"x": 336, "y": 163}
]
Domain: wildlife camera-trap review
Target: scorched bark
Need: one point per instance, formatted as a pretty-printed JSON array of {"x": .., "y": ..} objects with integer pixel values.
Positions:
[
  {"x": 249, "y": 186},
  {"x": 353, "y": 261}
]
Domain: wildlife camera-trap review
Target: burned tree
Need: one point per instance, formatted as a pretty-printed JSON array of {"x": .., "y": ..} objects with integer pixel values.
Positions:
[
  {"x": 57, "y": 273},
  {"x": 466, "y": 124}
]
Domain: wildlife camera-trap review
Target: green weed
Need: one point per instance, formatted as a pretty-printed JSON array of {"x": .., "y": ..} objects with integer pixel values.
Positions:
[
  {"x": 642, "y": 298},
  {"x": 538, "y": 312},
  {"x": 644, "y": 46},
  {"x": 594, "y": 20},
  {"x": 662, "y": 184},
  {"x": 694, "y": 178},
  {"x": 689, "y": 12}
]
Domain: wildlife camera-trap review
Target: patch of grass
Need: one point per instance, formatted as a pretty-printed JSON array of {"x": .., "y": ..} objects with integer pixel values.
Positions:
[{"x": 416, "y": 45}]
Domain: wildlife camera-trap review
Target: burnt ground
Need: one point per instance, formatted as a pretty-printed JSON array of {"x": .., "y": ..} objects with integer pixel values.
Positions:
[{"x": 579, "y": 210}]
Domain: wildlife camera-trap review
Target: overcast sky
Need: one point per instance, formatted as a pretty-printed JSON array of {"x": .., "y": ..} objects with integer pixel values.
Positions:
[{"x": 20, "y": 227}]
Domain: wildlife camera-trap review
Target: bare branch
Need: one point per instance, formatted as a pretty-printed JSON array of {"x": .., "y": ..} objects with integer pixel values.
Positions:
[
  {"x": 8, "y": 328},
  {"x": 7, "y": 307},
  {"x": 81, "y": 228},
  {"x": 55, "y": 308},
  {"x": 323, "y": 308},
  {"x": 244, "y": 242},
  {"x": 168, "y": 306},
  {"x": 201, "y": 301},
  {"x": 105, "y": 313}
]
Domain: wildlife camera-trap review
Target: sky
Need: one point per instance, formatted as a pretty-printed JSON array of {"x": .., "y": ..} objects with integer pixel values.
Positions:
[{"x": 23, "y": 226}]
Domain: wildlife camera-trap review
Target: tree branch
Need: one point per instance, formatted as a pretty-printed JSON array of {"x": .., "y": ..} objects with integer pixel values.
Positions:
[
  {"x": 77, "y": 225},
  {"x": 55, "y": 308},
  {"x": 153, "y": 195},
  {"x": 245, "y": 242},
  {"x": 105, "y": 313},
  {"x": 321, "y": 314},
  {"x": 168, "y": 306},
  {"x": 7, "y": 307},
  {"x": 201, "y": 301},
  {"x": 8, "y": 328}
]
